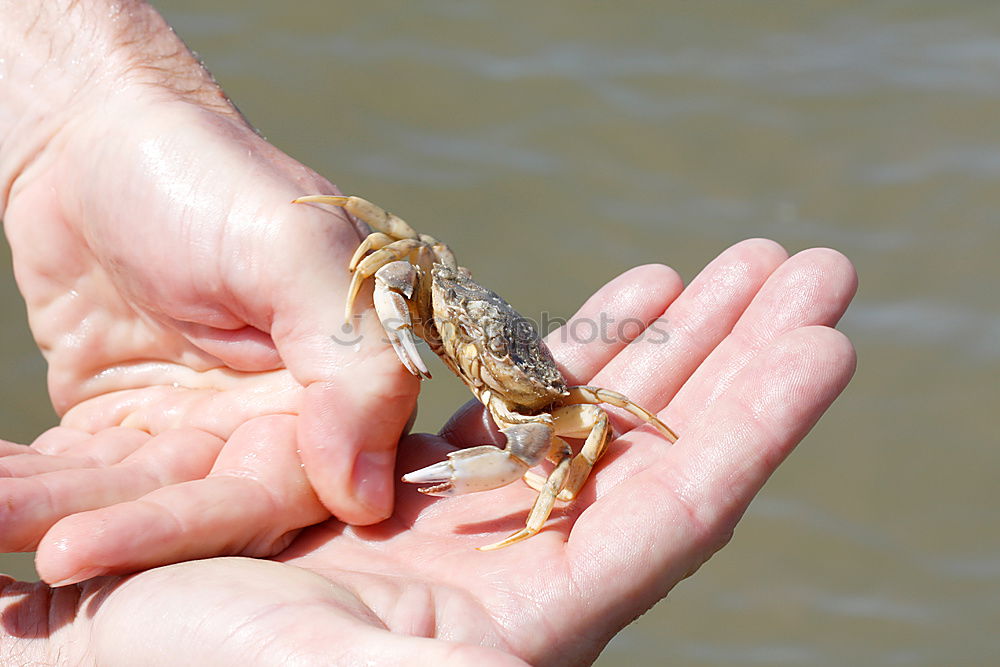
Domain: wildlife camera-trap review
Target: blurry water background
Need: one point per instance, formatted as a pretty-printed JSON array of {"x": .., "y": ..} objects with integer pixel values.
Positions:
[{"x": 556, "y": 144}]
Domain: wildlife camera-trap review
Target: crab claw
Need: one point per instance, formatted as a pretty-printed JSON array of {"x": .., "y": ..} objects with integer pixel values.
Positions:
[
  {"x": 486, "y": 467},
  {"x": 394, "y": 284},
  {"x": 469, "y": 470}
]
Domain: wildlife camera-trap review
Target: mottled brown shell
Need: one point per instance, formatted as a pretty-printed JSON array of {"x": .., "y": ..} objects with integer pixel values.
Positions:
[{"x": 491, "y": 343}]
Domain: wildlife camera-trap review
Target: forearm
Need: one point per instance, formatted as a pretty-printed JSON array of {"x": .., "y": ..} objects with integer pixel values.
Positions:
[{"x": 63, "y": 59}]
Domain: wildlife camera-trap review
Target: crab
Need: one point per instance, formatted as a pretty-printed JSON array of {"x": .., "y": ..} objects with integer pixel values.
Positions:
[{"x": 420, "y": 290}]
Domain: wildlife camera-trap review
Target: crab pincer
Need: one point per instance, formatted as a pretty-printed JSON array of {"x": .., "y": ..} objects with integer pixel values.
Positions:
[{"x": 486, "y": 467}]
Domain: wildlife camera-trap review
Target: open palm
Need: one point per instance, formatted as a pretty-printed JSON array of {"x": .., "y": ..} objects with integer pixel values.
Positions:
[{"x": 747, "y": 367}]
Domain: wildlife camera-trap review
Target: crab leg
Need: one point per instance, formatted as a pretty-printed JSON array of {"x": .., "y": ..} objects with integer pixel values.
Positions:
[
  {"x": 546, "y": 499},
  {"x": 373, "y": 263},
  {"x": 593, "y": 447},
  {"x": 582, "y": 418},
  {"x": 373, "y": 215},
  {"x": 578, "y": 421},
  {"x": 392, "y": 239},
  {"x": 374, "y": 241},
  {"x": 586, "y": 395}
]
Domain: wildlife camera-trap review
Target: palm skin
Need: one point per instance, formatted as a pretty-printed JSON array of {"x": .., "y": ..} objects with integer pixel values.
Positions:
[
  {"x": 187, "y": 311},
  {"x": 748, "y": 366}
]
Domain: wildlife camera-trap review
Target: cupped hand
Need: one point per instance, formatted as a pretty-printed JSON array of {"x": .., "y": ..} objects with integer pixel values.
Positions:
[
  {"x": 742, "y": 363},
  {"x": 212, "y": 399}
]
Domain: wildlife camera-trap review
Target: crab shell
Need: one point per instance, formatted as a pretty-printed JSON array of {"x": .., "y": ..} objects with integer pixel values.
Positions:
[{"x": 491, "y": 345}]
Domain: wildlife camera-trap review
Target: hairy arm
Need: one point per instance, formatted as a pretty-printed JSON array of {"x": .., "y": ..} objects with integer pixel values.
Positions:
[{"x": 63, "y": 58}]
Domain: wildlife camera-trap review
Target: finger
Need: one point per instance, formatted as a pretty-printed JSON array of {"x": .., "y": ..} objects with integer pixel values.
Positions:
[
  {"x": 671, "y": 516},
  {"x": 653, "y": 368},
  {"x": 774, "y": 402},
  {"x": 80, "y": 450},
  {"x": 31, "y": 505},
  {"x": 348, "y": 432},
  {"x": 613, "y": 317},
  {"x": 358, "y": 395},
  {"x": 26, "y": 465},
  {"x": 814, "y": 287},
  {"x": 216, "y": 400},
  {"x": 250, "y": 504},
  {"x": 8, "y": 448},
  {"x": 59, "y": 439},
  {"x": 471, "y": 425}
]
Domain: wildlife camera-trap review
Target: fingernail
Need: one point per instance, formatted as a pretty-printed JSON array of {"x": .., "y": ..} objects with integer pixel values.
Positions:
[
  {"x": 77, "y": 577},
  {"x": 373, "y": 482}
]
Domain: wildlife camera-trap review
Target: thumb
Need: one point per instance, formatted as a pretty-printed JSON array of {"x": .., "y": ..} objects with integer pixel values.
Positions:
[
  {"x": 348, "y": 430},
  {"x": 358, "y": 395}
]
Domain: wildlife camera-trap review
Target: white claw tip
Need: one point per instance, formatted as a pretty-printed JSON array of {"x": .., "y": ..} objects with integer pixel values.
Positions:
[{"x": 432, "y": 474}]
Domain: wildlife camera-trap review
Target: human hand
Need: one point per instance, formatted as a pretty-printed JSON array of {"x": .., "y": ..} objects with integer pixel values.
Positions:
[
  {"x": 187, "y": 310},
  {"x": 748, "y": 366}
]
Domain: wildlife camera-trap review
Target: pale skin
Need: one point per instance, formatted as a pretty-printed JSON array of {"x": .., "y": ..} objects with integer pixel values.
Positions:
[
  {"x": 184, "y": 306},
  {"x": 191, "y": 389}
]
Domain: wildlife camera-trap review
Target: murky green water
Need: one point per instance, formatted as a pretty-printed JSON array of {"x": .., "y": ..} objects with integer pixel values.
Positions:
[{"x": 613, "y": 134}]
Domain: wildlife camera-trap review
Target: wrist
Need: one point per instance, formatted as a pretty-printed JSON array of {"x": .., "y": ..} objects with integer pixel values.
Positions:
[{"x": 65, "y": 60}]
